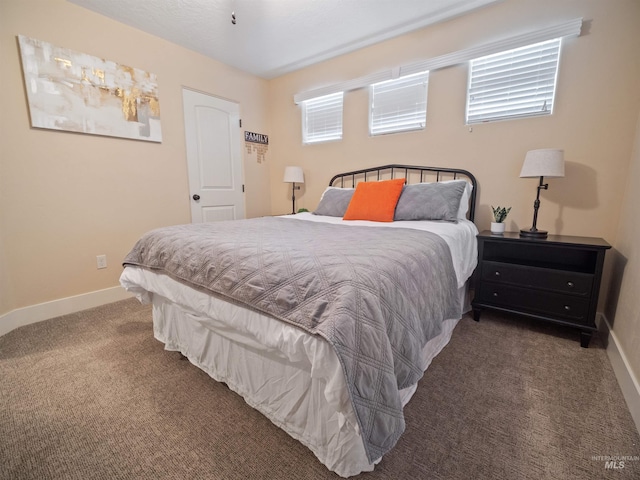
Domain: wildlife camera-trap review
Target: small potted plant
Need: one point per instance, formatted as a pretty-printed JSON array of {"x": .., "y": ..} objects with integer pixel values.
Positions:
[{"x": 499, "y": 215}]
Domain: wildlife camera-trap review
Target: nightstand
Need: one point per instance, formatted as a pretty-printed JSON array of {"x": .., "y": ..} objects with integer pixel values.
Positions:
[{"x": 556, "y": 279}]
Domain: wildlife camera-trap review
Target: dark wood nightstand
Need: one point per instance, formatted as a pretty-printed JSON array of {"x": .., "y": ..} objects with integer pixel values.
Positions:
[{"x": 556, "y": 279}]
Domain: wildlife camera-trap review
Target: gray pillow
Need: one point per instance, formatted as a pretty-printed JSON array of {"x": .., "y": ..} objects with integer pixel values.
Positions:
[
  {"x": 334, "y": 202},
  {"x": 430, "y": 201}
]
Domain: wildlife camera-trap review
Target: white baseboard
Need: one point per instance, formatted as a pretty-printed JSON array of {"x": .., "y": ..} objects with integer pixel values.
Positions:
[
  {"x": 63, "y": 306},
  {"x": 626, "y": 379}
]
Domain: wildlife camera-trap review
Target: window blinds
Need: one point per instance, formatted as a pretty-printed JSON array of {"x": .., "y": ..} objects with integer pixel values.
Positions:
[
  {"x": 399, "y": 105},
  {"x": 322, "y": 118},
  {"x": 567, "y": 29},
  {"x": 516, "y": 83}
]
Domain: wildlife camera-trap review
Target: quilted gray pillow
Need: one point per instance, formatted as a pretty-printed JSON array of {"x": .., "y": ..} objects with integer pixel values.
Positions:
[
  {"x": 334, "y": 202},
  {"x": 430, "y": 201}
]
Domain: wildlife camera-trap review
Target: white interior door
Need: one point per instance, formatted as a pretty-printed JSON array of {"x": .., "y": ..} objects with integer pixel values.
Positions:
[{"x": 214, "y": 157}]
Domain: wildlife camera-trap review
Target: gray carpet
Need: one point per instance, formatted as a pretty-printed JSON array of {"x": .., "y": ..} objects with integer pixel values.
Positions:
[{"x": 93, "y": 396}]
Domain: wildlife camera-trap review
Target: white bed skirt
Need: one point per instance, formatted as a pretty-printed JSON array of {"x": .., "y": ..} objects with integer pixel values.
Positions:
[{"x": 293, "y": 378}]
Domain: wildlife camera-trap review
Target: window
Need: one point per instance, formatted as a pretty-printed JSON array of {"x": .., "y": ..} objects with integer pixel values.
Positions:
[
  {"x": 399, "y": 105},
  {"x": 513, "y": 84},
  {"x": 322, "y": 118}
]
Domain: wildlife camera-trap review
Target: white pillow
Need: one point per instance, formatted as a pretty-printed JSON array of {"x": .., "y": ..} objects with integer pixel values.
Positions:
[
  {"x": 464, "y": 201},
  {"x": 334, "y": 188}
]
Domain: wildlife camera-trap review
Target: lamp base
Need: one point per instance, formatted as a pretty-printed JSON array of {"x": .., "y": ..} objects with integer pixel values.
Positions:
[{"x": 533, "y": 233}]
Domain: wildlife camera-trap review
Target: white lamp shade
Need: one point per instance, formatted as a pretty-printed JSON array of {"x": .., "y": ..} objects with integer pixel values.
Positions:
[
  {"x": 293, "y": 175},
  {"x": 546, "y": 162}
]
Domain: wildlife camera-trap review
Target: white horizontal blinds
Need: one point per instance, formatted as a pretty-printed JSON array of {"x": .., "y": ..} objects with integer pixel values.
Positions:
[
  {"x": 515, "y": 83},
  {"x": 569, "y": 28},
  {"x": 399, "y": 105},
  {"x": 322, "y": 118}
]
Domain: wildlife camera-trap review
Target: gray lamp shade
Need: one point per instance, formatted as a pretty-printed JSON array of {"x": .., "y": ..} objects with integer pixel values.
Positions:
[
  {"x": 293, "y": 175},
  {"x": 545, "y": 162}
]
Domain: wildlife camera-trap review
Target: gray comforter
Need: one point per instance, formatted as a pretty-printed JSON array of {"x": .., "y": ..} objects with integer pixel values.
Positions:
[{"x": 377, "y": 295}]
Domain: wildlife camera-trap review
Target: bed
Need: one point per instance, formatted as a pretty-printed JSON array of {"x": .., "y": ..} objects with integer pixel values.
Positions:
[{"x": 324, "y": 325}]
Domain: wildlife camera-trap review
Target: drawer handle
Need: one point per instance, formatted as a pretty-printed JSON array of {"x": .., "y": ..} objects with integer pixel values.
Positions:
[
  {"x": 570, "y": 284},
  {"x": 567, "y": 308},
  {"x": 497, "y": 274}
]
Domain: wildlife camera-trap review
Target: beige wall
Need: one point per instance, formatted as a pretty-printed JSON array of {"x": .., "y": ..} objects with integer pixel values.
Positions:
[
  {"x": 66, "y": 197},
  {"x": 596, "y": 106},
  {"x": 623, "y": 308}
]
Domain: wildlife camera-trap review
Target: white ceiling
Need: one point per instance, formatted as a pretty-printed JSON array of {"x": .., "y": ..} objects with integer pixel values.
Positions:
[{"x": 274, "y": 37}]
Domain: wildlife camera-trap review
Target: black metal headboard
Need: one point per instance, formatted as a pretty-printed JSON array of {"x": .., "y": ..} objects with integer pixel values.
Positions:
[{"x": 410, "y": 172}]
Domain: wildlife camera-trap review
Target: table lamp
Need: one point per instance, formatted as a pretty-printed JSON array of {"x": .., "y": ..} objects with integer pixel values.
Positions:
[
  {"x": 541, "y": 163},
  {"x": 293, "y": 175}
]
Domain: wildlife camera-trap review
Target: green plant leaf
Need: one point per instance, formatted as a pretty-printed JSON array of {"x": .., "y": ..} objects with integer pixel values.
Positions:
[{"x": 500, "y": 213}]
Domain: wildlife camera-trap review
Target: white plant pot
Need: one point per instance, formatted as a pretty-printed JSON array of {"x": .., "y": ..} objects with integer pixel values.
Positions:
[{"x": 497, "y": 227}]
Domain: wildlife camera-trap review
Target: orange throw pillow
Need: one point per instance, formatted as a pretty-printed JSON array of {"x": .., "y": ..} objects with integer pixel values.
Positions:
[{"x": 375, "y": 201}]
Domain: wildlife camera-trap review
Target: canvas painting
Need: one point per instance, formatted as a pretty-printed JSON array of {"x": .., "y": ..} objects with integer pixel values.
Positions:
[{"x": 76, "y": 92}]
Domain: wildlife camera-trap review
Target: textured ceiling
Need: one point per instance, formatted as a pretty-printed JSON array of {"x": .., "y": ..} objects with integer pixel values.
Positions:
[{"x": 274, "y": 37}]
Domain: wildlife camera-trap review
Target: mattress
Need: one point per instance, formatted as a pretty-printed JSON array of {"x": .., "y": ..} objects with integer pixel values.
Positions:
[{"x": 293, "y": 378}]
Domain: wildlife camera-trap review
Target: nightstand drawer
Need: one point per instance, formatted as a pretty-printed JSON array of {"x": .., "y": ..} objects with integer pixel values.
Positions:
[
  {"x": 575, "y": 309},
  {"x": 574, "y": 283}
]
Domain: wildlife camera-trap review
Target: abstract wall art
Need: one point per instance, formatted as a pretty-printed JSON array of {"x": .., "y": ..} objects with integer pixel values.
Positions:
[{"x": 73, "y": 91}]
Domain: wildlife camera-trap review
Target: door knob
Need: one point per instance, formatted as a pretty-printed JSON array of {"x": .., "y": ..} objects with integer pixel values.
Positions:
[{"x": 196, "y": 197}]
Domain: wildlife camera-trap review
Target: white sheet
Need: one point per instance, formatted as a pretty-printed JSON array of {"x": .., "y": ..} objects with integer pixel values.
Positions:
[{"x": 261, "y": 358}]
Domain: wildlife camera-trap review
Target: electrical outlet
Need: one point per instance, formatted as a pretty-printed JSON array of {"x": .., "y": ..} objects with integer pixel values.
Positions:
[{"x": 102, "y": 261}]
